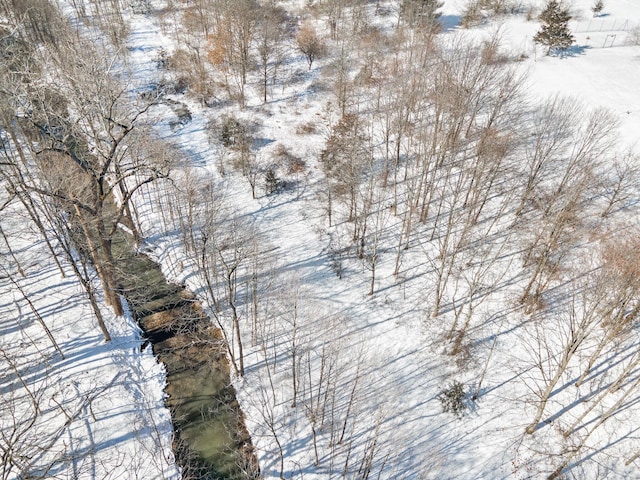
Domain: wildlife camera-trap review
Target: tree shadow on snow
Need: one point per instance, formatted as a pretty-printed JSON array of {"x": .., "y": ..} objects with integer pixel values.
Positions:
[
  {"x": 573, "y": 51},
  {"x": 449, "y": 22}
]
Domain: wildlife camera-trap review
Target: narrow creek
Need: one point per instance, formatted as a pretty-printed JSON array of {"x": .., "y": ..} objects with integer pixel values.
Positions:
[{"x": 211, "y": 440}]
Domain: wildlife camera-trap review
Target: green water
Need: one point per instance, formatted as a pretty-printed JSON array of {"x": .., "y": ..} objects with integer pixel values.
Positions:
[
  {"x": 209, "y": 418},
  {"x": 205, "y": 412},
  {"x": 204, "y": 406}
]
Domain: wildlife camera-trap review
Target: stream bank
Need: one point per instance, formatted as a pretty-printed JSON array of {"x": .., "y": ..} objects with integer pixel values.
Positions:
[{"x": 211, "y": 440}]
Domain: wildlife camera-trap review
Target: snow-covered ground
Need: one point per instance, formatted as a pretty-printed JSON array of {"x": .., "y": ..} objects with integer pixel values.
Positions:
[
  {"x": 388, "y": 354},
  {"x": 600, "y": 70},
  {"x": 403, "y": 368},
  {"x": 79, "y": 407},
  {"x": 387, "y": 341}
]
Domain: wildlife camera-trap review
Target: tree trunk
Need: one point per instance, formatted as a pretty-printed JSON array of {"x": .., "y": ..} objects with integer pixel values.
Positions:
[
  {"x": 100, "y": 265},
  {"x": 236, "y": 320}
]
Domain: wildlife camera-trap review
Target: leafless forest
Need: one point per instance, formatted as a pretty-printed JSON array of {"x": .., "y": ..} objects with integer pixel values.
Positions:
[{"x": 421, "y": 174}]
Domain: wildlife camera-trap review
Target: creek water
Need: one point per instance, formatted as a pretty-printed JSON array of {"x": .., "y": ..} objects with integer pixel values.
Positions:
[{"x": 211, "y": 439}]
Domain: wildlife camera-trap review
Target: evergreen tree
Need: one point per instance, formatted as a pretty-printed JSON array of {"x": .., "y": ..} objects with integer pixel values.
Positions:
[
  {"x": 597, "y": 8},
  {"x": 554, "y": 32},
  {"x": 271, "y": 181}
]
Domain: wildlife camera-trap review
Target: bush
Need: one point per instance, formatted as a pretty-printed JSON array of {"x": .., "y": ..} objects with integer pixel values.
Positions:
[
  {"x": 597, "y": 8},
  {"x": 306, "y": 128},
  {"x": 234, "y": 134},
  {"x": 289, "y": 161},
  {"x": 452, "y": 399},
  {"x": 271, "y": 181},
  {"x": 183, "y": 66},
  {"x": 471, "y": 15}
]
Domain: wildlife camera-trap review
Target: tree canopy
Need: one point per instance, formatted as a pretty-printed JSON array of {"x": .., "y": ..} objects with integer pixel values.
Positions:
[{"x": 554, "y": 32}]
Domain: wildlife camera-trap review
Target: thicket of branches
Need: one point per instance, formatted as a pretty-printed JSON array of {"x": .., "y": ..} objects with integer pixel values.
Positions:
[
  {"x": 435, "y": 157},
  {"x": 74, "y": 151},
  {"x": 433, "y": 160}
]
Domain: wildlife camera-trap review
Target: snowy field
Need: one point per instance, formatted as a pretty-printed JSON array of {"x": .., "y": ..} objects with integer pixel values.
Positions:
[{"x": 339, "y": 383}]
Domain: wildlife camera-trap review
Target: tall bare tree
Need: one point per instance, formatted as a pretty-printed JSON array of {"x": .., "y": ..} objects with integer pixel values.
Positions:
[
  {"x": 75, "y": 143},
  {"x": 230, "y": 46},
  {"x": 272, "y": 29}
]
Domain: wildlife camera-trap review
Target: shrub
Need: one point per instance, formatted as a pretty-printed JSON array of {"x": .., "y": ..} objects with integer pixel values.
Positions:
[
  {"x": 471, "y": 15},
  {"x": 234, "y": 134},
  {"x": 597, "y": 7},
  {"x": 306, "y": 128},
  {"x": 452, "y": 399},
  {"x": 271, "y": 181},
  {"x": 292, "y": 163}
]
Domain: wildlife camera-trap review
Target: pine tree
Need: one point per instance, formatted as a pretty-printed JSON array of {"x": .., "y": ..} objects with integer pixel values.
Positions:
[
  {"x": 554, "y": 33},
  {"x": 271, "y": 181},
  {"x": 597, "y": 8}
]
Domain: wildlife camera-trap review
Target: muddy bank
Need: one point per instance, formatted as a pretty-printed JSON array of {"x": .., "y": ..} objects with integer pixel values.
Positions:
[{"x": 211, "y": 439}]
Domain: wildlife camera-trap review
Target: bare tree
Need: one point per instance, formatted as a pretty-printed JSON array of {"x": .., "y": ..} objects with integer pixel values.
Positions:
[
  {"x": 566, "y": 192},
  {"x": 33, "y": 421},
  {"x": 85, "y": 163},
  {"x": 481, "y": 273},
  {"x": 335, "y": 12},
  {"x": 344, "y": 159},
  {"x": 266, "y": 405},
  {"x": 547, "y": 252},
  {"x": 322, "y": 368},
  {"x": 35, "y": 21},
  {"x": 272, "y": 29},
  {"x": 374, "y": 239},
  {"x": 620, "y": 184},
  {"x": 230, "y": 46},
  {"x": 552, "y": 128},
  {"x": 617, "y": 293},
  {"x": 8, "y": 274},
  {"x": 290, "y": 310},
  {"x": 309, "y": 43},
  {"x": 607, "y": 414},
  {"x": 222, "y": 247},
  {"x": 198, "y": 17},
  {"x": 558, "y": 342},
  {"x": 22, "y": 434},
  {"x": 339, "y": 73}
]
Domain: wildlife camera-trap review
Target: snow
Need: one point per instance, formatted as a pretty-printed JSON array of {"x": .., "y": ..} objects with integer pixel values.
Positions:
[
  {"x": 606, "y": 78},
  {"x": 101, "y": 407},
  {"x": 388, "y": 341},
  {"x": 600, "y": 70}
]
